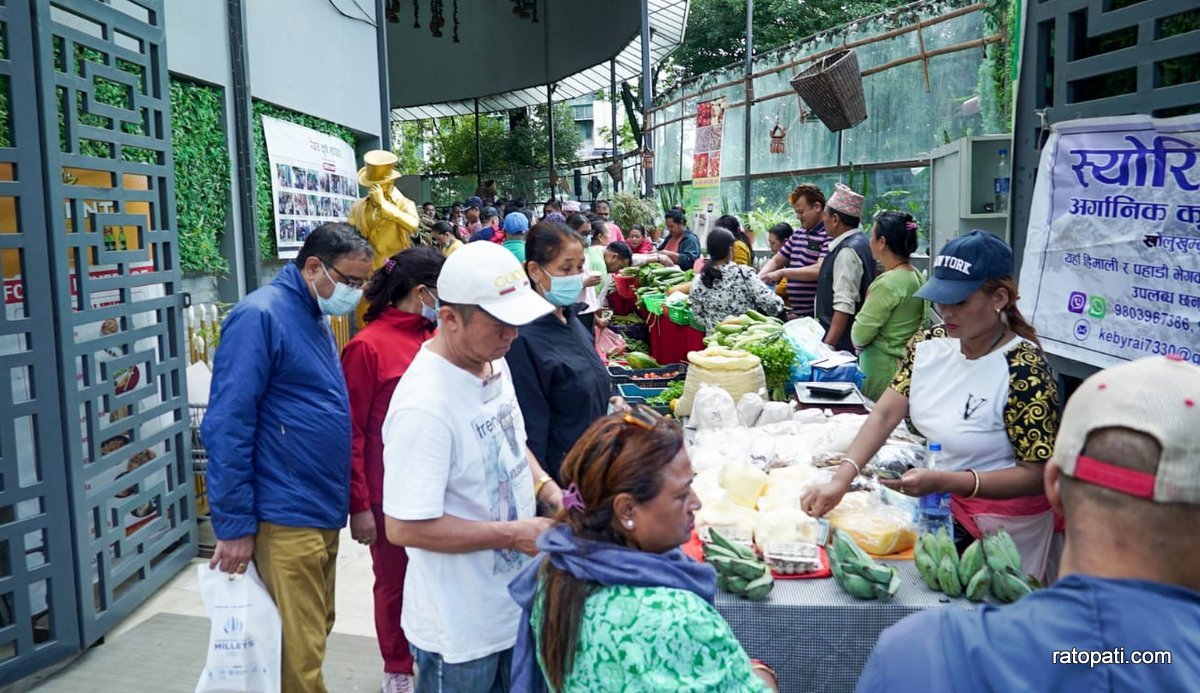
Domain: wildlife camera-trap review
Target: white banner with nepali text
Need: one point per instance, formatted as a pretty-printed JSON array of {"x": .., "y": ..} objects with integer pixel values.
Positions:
[{"x": 1111, "y": 271}]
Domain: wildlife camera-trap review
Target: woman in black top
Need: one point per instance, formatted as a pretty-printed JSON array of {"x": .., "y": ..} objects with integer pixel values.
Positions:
[{"x": 561, "y": 383}]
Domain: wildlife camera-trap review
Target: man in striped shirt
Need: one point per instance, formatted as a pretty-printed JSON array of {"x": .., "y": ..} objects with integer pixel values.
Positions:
[{"x": 799, "y": 261}]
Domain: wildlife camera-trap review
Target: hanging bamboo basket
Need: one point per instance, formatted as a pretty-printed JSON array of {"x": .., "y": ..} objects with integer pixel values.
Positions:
[{"x": 832, "y": 88}]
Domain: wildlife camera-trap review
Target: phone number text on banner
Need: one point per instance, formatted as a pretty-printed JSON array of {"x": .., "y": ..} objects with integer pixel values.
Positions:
[{"x": 1112, "y": 256}]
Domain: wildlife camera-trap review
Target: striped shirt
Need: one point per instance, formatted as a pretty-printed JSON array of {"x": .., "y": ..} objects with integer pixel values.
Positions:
[{"x": 804, "y": 248}]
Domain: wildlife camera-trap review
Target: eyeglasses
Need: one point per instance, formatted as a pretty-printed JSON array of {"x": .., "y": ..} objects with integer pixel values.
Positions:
[
  {"x": 352, "y": 282},
  {"x": 643, "y": 417}
]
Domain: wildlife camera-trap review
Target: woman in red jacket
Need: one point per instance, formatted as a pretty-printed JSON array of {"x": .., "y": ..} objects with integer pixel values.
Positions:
[{"x": 401, "y": 300}]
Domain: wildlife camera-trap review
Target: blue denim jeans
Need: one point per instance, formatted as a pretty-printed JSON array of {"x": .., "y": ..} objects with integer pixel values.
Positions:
[{"x": 488, "y": 674}]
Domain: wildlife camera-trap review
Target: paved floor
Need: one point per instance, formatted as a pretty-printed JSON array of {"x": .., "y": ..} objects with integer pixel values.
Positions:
[{"x": 160, "y": 647}]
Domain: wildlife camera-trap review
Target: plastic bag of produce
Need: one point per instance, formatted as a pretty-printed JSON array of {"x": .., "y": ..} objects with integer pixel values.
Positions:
[
  {"x": 893, "y": 459},
  {"x": 743, "y": 483},
  {"x": 608, "y": 343},
  {"x": 732, "y": 520},
  {"x": 244, "y": 638},
  {"x": 787, "y": 526},
  {"x": 736, "y": 372},
  {"x": 787, "y": 485},
  {"x": 879, "y": 529},
  {"x": 748, "y": 409},
  {"x": 714, "y": 409},
  {"x": 775, "y": 412}
]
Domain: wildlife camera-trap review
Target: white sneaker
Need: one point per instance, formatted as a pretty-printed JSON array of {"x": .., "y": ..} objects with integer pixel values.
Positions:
[{"x": 397, "y": 683}]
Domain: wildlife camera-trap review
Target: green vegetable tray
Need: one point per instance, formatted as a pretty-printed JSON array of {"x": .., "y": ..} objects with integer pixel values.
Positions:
[{"x": 648, "y": 377}]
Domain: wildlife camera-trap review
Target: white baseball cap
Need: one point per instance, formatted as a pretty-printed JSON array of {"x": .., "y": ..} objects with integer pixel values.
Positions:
[
  {"x": 488, "y": 275},
  {"x": 1158, "y": 396}
]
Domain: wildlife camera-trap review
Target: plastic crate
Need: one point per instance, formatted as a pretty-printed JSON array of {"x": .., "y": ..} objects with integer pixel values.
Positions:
[
  {"x": 654, "y": 302},
  {"x": 631, "y": 330},
  {"x": 680, "y": 315},
  {"x": 650, "y": 377},
  {"x": 628, "y": 390},
  {"x": 625, "y": 285},
  {"x": 696, "y": 324}
]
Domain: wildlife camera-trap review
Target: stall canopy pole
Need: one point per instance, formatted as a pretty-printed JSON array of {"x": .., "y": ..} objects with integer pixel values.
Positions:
[
  {"x": 478, "y": 150},
  {"x": 550, "y": 123},
  {"x": 647, "y": 132},
  {"x": 614, "y": 132},
  {"x": 747, "y": 109}
]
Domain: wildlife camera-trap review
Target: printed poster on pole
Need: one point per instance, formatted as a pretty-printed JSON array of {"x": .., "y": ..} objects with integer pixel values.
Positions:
[
  {"x": 706, "y": 165},
  {"x": 1112, "y": 255},
  {"x": 312, "y": 181}
]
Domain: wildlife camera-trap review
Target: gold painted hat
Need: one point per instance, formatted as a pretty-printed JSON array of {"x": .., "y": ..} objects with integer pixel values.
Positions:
[{"x": 379, "y": 168}]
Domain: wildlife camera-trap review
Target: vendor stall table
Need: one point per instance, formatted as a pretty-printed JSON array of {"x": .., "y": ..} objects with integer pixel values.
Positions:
[
  {"x": 669, "y": 342},
  {"x": 817, "y": 637}
]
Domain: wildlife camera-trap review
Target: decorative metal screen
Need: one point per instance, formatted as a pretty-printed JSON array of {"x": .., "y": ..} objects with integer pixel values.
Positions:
[
  {"x": 38, "y": 617},
  {"x": 1096, "y": 58},
  {"x": 106, "y": 145}
]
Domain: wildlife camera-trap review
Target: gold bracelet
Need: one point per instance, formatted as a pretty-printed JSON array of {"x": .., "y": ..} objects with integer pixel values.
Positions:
[
  {"x": 976, "y": 491},
  {"x": 537, "y": 485}
]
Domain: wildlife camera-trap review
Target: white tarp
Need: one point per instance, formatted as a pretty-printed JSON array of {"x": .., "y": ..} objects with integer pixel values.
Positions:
[{"x": 1112, "y": 255}]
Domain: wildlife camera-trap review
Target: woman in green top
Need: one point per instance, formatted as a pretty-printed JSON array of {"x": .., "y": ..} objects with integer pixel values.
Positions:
[
  {"x": 611, "y": 602},
  {"x": 891, "y": 314}
]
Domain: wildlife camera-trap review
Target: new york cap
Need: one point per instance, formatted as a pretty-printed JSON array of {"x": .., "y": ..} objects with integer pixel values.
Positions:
[
  {"x": 1158, "y": 396},
  {"x": 964, "y": 264},
  {"x": 488, "y": 275}
]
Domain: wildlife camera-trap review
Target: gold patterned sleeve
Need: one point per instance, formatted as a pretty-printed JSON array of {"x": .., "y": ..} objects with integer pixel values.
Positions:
[
  {"x": 1031, "y": 413},
  {"x": 902, "y": 381}
]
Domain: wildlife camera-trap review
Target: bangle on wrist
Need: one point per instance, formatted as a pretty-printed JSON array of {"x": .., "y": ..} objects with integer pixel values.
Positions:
[
  {"x": 857, "y": 467},
  {"x": 539, "y": 484},
  {"x": 974, "y": 492}
]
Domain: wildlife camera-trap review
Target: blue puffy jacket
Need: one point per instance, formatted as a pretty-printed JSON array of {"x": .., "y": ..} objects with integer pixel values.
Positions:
[{"x": 277, "y": 427}]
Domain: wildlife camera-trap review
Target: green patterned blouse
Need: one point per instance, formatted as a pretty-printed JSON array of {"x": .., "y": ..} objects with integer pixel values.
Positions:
[{"x": 654, "y": 639}]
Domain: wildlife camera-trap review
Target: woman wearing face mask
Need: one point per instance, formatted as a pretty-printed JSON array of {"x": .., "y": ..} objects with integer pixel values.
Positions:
[
  {"x": 401, "y": 315},
  {"x": 561, "y": 383}
]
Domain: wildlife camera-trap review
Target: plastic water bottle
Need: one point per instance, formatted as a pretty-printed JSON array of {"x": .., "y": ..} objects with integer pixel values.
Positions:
[
  {"x": 1001, "y": 181},
  {"x": 933, "y": 510}
]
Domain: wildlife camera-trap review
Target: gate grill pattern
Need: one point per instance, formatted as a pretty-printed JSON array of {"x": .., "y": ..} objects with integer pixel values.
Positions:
[
  {"x": 114, "y": 268},
  {"x": 38, "y": 618}
]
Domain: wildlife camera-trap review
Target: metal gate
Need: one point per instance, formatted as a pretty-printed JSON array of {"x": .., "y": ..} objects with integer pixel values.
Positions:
[
  {"x": 96, "y": 502},
  {"x": 1095, "y": 58}
]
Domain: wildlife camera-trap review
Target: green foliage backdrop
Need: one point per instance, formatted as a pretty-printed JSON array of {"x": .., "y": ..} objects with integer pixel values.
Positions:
[
  {"x": 262, "y": 169},
  {"x": 202, "y": 172}
]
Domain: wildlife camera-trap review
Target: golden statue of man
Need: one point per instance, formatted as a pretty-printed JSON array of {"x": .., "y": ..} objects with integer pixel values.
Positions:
[{"x": 385, "y": 217}]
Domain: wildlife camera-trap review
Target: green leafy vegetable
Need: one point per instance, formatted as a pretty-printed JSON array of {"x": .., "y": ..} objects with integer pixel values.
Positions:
[
  {"x": 662, "y": 399},
  {"x": 777, "y": 356}
]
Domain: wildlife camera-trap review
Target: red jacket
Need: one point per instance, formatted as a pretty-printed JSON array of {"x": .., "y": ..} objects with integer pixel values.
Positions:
[{"x": 373, "y": 362}]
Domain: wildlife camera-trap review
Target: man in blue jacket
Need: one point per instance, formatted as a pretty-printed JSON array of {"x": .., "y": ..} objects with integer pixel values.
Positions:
[
  {"x": 277, "y": 432},
  {"x": 1124, "y": 613}
]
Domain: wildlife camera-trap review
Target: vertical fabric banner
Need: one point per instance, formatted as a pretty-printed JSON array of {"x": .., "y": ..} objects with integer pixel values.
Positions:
[
  {"x": 312, "y": 181},
  {"x": 1112, "y": 254},
  {"x": 706, "y": 165}
]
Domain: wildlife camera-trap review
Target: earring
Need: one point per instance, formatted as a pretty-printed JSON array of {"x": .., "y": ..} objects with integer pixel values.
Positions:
[{"x": 629, "y": 524}]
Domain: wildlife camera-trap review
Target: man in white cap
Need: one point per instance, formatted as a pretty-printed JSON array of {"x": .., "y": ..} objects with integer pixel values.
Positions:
[
  {"x": 1125, "y": 612},
  {"x": 846, "y": 271},
  {"x": 460, "y": 487}
]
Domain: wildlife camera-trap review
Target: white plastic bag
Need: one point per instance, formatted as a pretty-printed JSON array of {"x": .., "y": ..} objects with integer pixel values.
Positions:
[
  {"x": 244, "y": 636},
  {"x": 714, "y": 408}
]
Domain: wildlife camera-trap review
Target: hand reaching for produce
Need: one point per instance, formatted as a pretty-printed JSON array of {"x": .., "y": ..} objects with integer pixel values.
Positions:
[
  {"x": 824, "y": 498},
  {"x": 917, "y": 482}
]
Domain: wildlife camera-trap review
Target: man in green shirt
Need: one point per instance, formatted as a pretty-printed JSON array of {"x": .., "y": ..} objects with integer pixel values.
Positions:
[{"x": 515, "y": 226}]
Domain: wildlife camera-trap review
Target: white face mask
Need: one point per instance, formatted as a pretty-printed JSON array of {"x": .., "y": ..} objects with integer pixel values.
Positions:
[{"x": 343, "y": 300}]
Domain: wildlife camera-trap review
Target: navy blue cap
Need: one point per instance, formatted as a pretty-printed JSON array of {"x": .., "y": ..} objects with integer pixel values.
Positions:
[
  {"x": 964, "y": 264},
  {"x": 473, "y": 201}
]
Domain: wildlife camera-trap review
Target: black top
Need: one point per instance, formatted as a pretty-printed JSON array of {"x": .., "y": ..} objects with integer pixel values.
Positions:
[
  {"x": 856, "y": 243},
  {"x": 562, "y": 385}
]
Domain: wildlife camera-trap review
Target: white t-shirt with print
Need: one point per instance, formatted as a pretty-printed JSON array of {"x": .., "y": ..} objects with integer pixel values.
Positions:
[
  {"x": 960, "y": 403},
  {"x": 453, "y": 445}
]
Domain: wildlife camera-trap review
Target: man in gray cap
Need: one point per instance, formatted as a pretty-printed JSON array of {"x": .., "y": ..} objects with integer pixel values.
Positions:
[{"x": 1125, "y": 612}]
